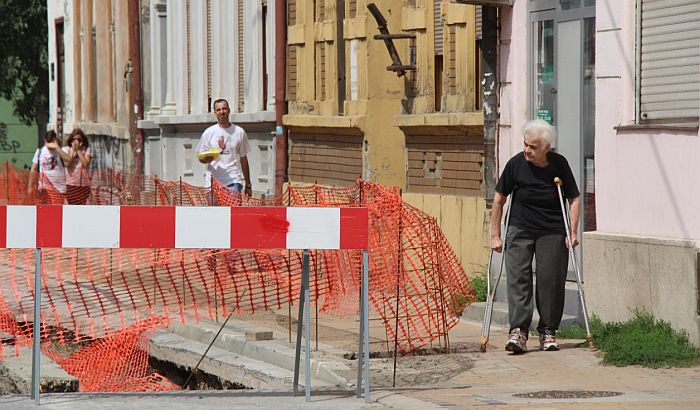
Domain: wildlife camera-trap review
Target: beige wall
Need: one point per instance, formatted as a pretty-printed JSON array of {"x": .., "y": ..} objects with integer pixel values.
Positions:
[
  {"x": 384, "y": 108},
  {"x": 464, "y": 222}
]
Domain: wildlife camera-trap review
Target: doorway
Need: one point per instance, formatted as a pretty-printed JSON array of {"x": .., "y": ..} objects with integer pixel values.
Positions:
[
  {"x": 562, "y": 87},
  {"x": 60, "y": 82}
]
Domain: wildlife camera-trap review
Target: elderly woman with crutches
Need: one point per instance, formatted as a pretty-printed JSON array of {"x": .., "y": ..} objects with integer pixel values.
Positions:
[{"x": 535, "y": 229}]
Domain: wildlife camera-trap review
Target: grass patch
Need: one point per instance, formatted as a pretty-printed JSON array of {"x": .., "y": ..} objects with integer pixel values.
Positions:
[
  {"x": 459, "y": 302},
  {"x": 641, "y": 340},
  {"x": 479, "y": 286}
]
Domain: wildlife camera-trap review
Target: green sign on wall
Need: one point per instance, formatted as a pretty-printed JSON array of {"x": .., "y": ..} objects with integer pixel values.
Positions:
[
  {"x": 545, "y": 114},
  {"x": 547, "y": 74}
]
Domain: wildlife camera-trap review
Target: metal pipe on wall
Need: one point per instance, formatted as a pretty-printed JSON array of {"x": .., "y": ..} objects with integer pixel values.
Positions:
[
  {"x": 136, "y": 93},
  {"x": 281, "y": 139}
]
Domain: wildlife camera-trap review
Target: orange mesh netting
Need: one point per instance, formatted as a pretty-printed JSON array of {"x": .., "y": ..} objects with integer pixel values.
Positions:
[
  {"x": 126, "y": 369},
  {"x": 108, "y": 298}
]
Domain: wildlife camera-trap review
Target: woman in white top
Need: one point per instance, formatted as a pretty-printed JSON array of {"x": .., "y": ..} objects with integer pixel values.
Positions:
[{"x": 47, "y": 163}]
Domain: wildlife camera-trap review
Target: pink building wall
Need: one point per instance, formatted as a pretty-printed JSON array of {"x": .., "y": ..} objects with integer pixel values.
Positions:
[{"x": 646, "y": 179}]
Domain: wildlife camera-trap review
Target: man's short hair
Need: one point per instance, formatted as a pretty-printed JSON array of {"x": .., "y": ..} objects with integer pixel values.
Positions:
[
  {"x": 542, "y": 128},
  {"x": 219, "y": 100}
]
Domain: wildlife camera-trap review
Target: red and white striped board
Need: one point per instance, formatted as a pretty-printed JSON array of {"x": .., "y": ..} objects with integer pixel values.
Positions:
[{"x": 80, "y": 226}]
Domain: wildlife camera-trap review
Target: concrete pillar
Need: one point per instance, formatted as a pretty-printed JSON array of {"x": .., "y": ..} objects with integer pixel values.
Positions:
[
  {"x": 198, "y": 59},
  {"x": 158, "y": 18},
  {"x": 253, "y": 56},
  {"x": 180, "y": 60},
  {"x": 172, "y": 30}
]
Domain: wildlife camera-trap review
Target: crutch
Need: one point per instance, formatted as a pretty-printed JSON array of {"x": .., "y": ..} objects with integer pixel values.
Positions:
[
  {"x": 490, "y": 295},
  {"x": 577, "y": 270}
]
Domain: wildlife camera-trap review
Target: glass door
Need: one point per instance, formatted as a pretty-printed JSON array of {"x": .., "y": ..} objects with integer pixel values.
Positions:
[{"x": 544, "y": 88}]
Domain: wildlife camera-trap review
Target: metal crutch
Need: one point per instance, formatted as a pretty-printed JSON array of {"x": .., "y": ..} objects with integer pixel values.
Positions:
[
  {"x": 577, "y": 270},
  {"x": 486, "y": 326}
]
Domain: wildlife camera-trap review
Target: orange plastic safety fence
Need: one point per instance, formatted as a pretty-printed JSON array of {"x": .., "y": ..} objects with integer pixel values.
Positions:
[
  {"x": 117, "y": 362},
  {"x": 417, "y": 285}
]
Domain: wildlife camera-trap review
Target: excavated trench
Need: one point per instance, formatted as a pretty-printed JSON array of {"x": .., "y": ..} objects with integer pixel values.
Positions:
[{"x": 199, "y": 381}]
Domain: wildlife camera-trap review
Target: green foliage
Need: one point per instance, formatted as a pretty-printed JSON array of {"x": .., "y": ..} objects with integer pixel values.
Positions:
[
  {"x": 641, "y": 340},
  {"x": 459, "y": 302},
  {"x": 24, "y": 58},
  {"x": 479, "y": 286}
]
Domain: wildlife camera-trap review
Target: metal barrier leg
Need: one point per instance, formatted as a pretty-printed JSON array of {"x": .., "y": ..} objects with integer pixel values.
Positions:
[
  {"x": 36, "y": 350},
  {"x": 365, "y": 308},
  {"x": 307, "y": 331},
  {"x": 300, "y": 318},
  {"x": 360, "y": 340}
]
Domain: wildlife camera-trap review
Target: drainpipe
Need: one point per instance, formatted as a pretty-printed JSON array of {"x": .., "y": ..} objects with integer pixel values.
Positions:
[
  {"x": 136, "y": 95},
  {"x": 490, "y": 101},
  {"x": 281, "y": 140}
]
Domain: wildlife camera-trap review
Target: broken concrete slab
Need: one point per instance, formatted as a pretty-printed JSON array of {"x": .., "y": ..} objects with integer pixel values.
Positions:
[{"x": 17, "y": 370}]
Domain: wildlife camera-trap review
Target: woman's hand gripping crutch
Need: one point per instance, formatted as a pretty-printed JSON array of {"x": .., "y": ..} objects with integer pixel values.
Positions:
[
  {"x": 574, "y": 261},
  {"x": 491, "y": 293}
]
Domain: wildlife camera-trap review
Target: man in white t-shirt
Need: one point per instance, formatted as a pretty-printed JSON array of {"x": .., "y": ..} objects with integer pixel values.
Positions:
[{"x": 231, "y": 167}]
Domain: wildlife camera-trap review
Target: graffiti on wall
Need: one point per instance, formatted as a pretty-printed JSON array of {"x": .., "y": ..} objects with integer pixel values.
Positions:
[
  {"x": 108, "y": 152},
  {"x": 7, "y": 144},
  {"x": 16, "y": 147}
]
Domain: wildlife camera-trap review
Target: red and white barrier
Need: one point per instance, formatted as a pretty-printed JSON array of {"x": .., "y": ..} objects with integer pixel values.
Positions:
[{"x": 79, "y": 226}]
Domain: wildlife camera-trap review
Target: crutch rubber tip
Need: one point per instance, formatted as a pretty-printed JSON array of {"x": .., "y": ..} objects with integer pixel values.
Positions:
[
  {"x": 590, "y": 342},
  {"x": 484, "y": 341},
  {"x": 557, "y": 180}
]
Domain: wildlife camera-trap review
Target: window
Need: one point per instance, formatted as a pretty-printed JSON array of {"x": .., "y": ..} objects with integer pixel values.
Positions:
[
  {"x": 265, "y": 158},
  {"x": 187, "y": 154},
  {"x": 668, "y": 61},
  {"x": 438, "y": 41}
]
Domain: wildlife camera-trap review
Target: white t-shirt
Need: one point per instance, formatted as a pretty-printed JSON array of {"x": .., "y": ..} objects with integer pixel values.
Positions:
[
  {"x": 51, "y": 166},
  {"x": 227, "y": 168}
]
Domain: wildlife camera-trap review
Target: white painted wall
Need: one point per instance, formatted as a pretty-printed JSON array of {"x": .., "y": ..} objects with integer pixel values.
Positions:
[
  {"x": 646, "y": 180},
  {"x": 61, "y": 9}
]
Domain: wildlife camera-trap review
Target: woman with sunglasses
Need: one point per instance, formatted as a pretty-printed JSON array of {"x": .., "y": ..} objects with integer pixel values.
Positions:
[{"x": 77, "y": 160}]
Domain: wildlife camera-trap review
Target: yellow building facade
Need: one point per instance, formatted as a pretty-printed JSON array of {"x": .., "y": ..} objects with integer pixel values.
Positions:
[{"x": 351, "y": 117}]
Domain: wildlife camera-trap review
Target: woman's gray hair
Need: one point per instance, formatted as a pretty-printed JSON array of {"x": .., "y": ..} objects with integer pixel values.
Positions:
[{"x": 540, "y": 128}]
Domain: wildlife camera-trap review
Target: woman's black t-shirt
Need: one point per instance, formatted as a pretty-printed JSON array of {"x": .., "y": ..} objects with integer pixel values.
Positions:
[{"x": 535, "y": 204}]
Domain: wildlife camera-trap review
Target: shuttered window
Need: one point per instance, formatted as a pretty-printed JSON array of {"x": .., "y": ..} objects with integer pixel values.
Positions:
[
  {"x": 291, "y": 12},
  {"x": 320, "y": 11},
  {"x": 669, "y": 61},
  {"x": 240, "y": 40},
  {"x": 321, "y": 71},
  {"x": 188, "y": 56},
  {"x": 291, "y": 54},
  {"x": 477, "y": 28},
  {"x": 352, "y": 8},
  {"x": 437, "y": 19},
  {"x": 452, "y": 60},
  {"x": 291, "y": 72},
  {"x": 209, "y": 55}
]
